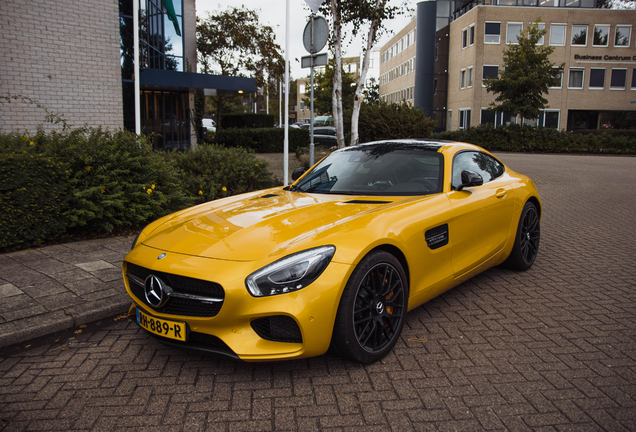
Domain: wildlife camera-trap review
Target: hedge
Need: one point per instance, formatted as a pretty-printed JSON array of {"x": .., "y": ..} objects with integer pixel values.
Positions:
[
  {"x": 515, "y": 138},
  {"x": 266, "y": 140},
  {"x": 58, "y": 186}
]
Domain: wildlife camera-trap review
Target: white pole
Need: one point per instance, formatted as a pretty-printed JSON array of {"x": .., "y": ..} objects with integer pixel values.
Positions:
[
  {"x": 280, "y": 103},
  {"x": 286, "y": 142},
  {"x": 136, "y": 61}
]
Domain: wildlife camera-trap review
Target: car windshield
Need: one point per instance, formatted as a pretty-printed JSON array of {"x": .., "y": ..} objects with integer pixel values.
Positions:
[{"x": 377, "y": 169}]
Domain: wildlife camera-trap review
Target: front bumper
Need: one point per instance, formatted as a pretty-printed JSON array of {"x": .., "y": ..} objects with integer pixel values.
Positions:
[{"x": 241, "y": 321}]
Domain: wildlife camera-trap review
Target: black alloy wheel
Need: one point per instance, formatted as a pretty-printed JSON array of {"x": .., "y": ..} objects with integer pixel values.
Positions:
[
  {"x": 372, "y": 309},
  {"x": 526, "y": 246}
]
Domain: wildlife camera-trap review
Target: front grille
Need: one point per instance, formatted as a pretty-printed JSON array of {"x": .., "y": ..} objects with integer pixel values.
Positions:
[
  {"x": 279, "y": 328},
  {"x": 181, "y": 285},
  {"x": 199, "y": 342}
]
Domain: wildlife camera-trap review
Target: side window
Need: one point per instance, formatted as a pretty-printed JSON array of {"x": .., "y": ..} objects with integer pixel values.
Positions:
[{"x": 486, "y": 166}]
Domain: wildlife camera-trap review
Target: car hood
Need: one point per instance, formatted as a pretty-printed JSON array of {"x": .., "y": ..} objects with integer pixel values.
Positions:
[{"x": 255, "y": 226}]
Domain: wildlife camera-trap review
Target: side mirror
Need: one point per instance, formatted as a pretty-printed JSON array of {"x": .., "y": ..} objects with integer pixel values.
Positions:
[
  {"x": 470, "y": 178},
  {"x": 298, "y": 172}
]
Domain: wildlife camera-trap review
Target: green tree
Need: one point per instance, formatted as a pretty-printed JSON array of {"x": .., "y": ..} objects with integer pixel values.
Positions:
[
  {"x": 233, "y": 42},
  {"x": 323, "y": 90},
  {"x": 372, "y": 91},
  {"x": 527, "y": 75}
]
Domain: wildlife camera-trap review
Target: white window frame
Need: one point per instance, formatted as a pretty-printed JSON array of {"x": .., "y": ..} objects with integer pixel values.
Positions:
[
  {"x": 560, "y": 83},
  {"x": 604, "y": 78},
  {"x": 542, "y": 114},
  {"x": 498, "y": 36},
  {"x": 558, "y": 25},
  {"x": 629, "y": 39},
  {"x": 470, "y": 76},
  {"x": 624, "y": 85},
  {"x": 465, "y": 38},
  {"x": 541, "y": 41},
  {"x": 570, "y": 70},
  {"x": 633, "y": 84},
  {"x": 609, "y": 28},
  {"x": 482, "y": 72},
  {"x": 471, "y": 35},
  {"x": 463, "y": 111},
  {"x": 462, "y": 79},
  {"x": 586, "y": 35},
  {"x": 513, "y": 41}
]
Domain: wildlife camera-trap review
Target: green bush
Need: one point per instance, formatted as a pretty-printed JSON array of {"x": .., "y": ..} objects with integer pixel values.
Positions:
[
  {"x": 248, "y": 120},
  {"x": 266, "y": 140},
  {"x": 515, "y": 138},
  {"x": 213, "y": 172},
  {"x": 392, "y": 121},
  {"x": 32, "y": 194}
]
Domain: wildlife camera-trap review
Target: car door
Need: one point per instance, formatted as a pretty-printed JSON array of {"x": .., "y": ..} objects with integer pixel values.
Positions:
[{"x": 481, "y": 214}]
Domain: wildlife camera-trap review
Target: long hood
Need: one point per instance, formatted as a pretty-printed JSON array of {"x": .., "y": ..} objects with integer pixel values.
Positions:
[{"x": 255, "y": 226}]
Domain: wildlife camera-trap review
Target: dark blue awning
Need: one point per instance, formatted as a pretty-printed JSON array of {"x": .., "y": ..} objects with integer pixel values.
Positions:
[{"x": 211, "y": 84}]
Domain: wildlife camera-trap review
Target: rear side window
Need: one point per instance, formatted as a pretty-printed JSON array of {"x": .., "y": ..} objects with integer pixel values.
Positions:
[{"x": 485, "y": 165}]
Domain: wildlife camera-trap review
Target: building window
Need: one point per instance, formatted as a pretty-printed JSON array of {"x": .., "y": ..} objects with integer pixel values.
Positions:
[
  {"x": 462, "y": 78},
  {"x": 162, "y": 47},
  {"x": 469, "y": 77},
  {"x": 464, "y": 38},
  {"x": 601, "y": 35},
  {"x": 488, "y": 116},
  {"x": 436, "y": 51},
  {"x": 623, "y": 35},
  {"x": 492, "y": 33},
  {"x": 464, "y": 118},
  {"x": 557, "y": 34},
  {"x": 597, "y": 78},
  {"x": 435, "y": 86},
  {"x": 618, "y": 79},
  {"x": 513, "y": 30},
  {"x": 633, "y": 79},
  {"x": 549, "y": 119},
  {"x": 450, "y": 119},
  {"x": 541, "y": 40},
  {"x": 557, "y": 81},
  {"x": 489, "y": 72},
  {"x": 471, "y": 34},
  {"x": 579, "y": 35},
  {"x": 575, "y": 80}
]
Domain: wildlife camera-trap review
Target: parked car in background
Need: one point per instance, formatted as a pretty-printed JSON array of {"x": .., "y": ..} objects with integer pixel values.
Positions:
[
  {"x": 209, "y": 124},
  {"x": 325, "y": 136},
  {"x": 323, "y": 121}
]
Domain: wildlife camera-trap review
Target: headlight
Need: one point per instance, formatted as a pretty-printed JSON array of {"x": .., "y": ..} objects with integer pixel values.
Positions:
[{"x": 290, "y": 273}]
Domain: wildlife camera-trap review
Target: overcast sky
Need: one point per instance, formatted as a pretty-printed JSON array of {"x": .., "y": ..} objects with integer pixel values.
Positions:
[{"x": 272, "y": 13}]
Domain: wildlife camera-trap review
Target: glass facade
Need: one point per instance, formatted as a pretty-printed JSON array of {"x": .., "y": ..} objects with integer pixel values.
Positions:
[{"x": 165, "y": 115}]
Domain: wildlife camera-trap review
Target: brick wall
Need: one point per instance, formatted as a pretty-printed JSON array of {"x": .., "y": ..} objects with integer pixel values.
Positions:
[{"x": 64, "y": 55}]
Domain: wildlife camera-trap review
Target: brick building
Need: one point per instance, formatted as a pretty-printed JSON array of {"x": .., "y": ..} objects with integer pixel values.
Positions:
[
  {"x": 76, "y": 59},
  {"x": 596, "y": 46}
]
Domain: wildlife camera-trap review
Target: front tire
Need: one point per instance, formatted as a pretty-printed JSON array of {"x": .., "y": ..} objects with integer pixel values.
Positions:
[
  {"x": 527, "y": 238},
  {"x": 372, "y": 309}
]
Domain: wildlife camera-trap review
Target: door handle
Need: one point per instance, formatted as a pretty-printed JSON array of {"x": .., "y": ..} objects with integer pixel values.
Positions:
[{"x": 501, "y": 193}]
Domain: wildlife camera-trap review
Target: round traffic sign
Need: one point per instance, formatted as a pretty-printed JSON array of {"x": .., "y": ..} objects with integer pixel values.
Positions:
[{"x": 320, "y": 34}]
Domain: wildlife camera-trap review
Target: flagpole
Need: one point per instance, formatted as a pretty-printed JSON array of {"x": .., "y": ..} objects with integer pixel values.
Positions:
[
  {"x": 286, "y": 142},
  {"x": 136, "y": 67}
]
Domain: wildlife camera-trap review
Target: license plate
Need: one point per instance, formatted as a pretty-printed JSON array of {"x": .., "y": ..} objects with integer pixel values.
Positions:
[{"x": 169, "y": 329}]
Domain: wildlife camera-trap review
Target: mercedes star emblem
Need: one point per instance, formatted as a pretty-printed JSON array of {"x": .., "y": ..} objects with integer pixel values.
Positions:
[
  {"x": 155, "y": 294},
  {"x": 162, "y": 256}
]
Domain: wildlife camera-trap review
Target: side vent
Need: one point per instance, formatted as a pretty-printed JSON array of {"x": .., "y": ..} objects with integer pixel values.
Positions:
[{"x": 269, "y": 196}]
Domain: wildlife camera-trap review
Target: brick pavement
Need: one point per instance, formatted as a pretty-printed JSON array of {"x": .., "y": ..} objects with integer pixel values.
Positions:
[{"x": 551, "y": 349}]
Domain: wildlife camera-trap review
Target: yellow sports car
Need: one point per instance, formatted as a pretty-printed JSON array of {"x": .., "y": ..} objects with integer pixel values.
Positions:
[{"x": 337, "y": 258}]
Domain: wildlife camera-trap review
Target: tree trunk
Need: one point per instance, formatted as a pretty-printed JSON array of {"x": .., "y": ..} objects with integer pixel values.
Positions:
[
  {"x": 337, "y": 76},
  {"x": 357, "y": 101}
]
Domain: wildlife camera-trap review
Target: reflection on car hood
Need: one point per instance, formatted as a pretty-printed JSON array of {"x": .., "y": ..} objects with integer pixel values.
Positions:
[{"x": 257, "y": 225}]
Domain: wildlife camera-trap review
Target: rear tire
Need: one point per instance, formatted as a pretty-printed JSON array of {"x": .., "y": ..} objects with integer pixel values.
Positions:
[
  {"x": 527, "y": 238},
  {"x": 372, "y": 309}
]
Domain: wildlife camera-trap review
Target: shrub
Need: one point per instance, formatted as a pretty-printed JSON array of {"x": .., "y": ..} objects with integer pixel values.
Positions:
[
  {"x": 392, "y": 121},
  {"x": 32, "y": 194},
  {"x": 527, "y": 139},
  {"x": 269, "y": 140},
  {"x": 214, "y": 172}
]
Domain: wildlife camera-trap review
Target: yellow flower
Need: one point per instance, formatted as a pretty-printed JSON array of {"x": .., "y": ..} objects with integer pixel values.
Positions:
[
  {"x": 149, "y": 191},
  {"x": 31, "y": 143},
  {"x": 103, "y": 191},
  {"x": 26, "y": 137},
  {"x": 153, "y": 186},
  {"x": 224, "y": 189},
  {"x": 255, "y": 164},
  {"x": 200, "y": 192}
]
